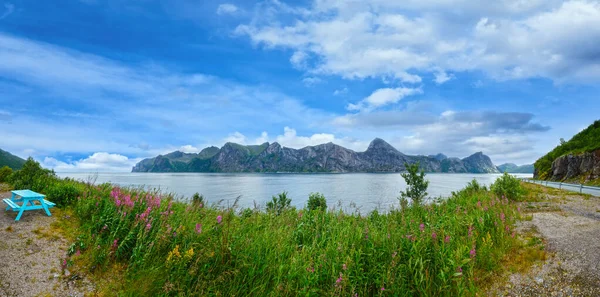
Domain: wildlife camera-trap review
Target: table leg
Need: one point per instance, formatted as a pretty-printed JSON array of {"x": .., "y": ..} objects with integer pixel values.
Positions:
[
  {"x": 12, "y": 198},
  {"x": 45, "y": 207},
  {"x": 21, "y": 211}
]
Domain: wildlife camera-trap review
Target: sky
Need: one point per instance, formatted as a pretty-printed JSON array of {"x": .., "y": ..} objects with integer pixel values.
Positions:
[{"x": 98, "y": 85}]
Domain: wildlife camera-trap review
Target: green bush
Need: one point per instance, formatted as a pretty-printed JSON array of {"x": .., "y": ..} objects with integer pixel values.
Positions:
[
  {"x": 279, "y": 203},
  {"x": 198, "y": 199},
  {"x": 31, "y": 176},
  {"x": 5, "y": 172},
  {"x": 63, "y": 191},
  {"x": 317, "y": 201},
  {"x": 473, "y": 187},
  {"x": 507, "y": 186},
  {"x": 416, "y": 185}
]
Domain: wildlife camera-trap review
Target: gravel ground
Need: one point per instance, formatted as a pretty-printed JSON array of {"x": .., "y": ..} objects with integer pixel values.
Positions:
[
  {"x": 570, "y": 226},
  {"x": 30, "y": 263}
]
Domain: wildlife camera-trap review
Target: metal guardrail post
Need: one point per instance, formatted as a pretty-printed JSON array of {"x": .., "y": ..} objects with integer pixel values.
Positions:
[
  {"x": 580, "y": 188},
  {"x": 560, "y": 185}
]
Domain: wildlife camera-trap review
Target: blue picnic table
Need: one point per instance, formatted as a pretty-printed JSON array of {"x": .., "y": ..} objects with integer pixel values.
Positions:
[{"x": 28, "y": 199}]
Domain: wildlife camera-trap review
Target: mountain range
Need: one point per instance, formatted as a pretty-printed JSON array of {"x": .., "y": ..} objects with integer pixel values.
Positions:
[
  {"x": 513, "y": 168},
  {"x": 380, "y": 156}
]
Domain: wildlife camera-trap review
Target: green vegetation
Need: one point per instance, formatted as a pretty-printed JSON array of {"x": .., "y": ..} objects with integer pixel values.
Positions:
[
  {"x": 10, "y": 160},
  {"x": 316, "y": 201},
  {"x": 416, "y": 189},
  {"x": 33, "y": 177},
  {"x": 508, "y": 186},
  {"x": 279, "y": 203},
  {"x": 587, "y": 140},
  {"x": 5, "y": 172},
  {"x": 148, "y": 244}
]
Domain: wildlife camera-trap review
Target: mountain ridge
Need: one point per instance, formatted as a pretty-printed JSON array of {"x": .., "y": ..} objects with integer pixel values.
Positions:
[
  {"x": 380, "y": 156},
  {"x": 10, "y": 160}
]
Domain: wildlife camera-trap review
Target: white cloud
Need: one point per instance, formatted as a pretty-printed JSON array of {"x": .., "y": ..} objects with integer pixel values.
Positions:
[
  {"x": 298, "y": 60},
  {"x": 9, "y": 9},
  {"x": 382, "y": 97},
  {"x": 236, "y": 137},
  {"x": 226, "y": 8},
  {"x": 398, "y": 39},
  {"x": 100, "y": 161},
  {"x": 188, "y": 148}
]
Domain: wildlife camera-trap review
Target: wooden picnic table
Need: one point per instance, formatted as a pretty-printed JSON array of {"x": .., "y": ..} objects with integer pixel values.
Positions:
[{"x": 28, "y": 199}]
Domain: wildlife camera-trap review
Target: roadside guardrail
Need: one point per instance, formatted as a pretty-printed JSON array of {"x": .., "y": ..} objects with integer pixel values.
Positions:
[{"x": 580, "y": 188}]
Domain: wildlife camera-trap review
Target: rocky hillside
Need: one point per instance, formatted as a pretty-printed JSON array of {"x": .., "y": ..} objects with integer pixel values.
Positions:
[
  {"x": 272, "y": 157},
  {"x": 576, "y": 159},
  {"x": 514, "y": 168},
  {"x": 10, "y": 160}
]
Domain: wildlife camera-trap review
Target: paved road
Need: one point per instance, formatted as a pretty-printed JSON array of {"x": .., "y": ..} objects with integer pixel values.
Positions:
[{"x": 595, "y": 191}]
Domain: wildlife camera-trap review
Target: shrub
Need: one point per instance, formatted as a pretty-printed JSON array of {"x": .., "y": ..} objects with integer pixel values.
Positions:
[
  {"x": 198, "y": 199},
  {"x": 317, "y": 201},
  {"x": 416, "y": 184},
  {"x": 279, "y": 203},
  {"x": 507, "y": 186},
  {"x": 4, "y": 173},
  {"x": 63, "y": 191},
  {"x": 31, "y": 176}
]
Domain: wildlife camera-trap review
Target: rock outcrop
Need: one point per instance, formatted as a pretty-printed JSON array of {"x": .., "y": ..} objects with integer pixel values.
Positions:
[
  {"x": 585, "y": 166},
  {"x": 380, "y": 156}
]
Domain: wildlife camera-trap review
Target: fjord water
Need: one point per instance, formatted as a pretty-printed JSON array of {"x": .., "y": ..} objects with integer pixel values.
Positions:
[{"x": 367, "y": 191}]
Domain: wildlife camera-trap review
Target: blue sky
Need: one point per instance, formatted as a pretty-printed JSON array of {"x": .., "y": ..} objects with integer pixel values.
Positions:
[{"x": 97, "y": 85}]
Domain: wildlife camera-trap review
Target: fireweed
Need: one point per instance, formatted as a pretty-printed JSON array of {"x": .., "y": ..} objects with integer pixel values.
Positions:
[{"x": 174, "y": 248}]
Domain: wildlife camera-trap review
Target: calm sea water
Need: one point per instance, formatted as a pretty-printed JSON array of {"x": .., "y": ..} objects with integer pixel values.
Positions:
[{"x": 367, "y": 191}]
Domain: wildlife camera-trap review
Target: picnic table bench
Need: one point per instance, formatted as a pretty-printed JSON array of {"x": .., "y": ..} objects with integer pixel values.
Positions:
[{"x": 28, "y": 199}]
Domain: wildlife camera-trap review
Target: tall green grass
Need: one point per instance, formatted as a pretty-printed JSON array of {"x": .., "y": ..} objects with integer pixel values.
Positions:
[{"x": 172, "y": 248}]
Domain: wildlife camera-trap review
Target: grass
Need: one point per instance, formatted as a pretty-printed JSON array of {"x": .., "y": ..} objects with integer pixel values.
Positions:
[{"x": 147, "y": 244}]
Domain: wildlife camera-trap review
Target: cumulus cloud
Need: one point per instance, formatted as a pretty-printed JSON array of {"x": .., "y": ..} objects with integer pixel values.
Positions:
[
  {"x": 311, "y": 81},
  {"x": 226, "y": 8},
  {"x": 341, "y": 91},
  {"x": 382, "y": 97},
  {"x": 399, "y": 39},
  {"x": 188, "y": 148},
  {"x": 9, "y": 9},
  {"x": 100, "y": 161}
]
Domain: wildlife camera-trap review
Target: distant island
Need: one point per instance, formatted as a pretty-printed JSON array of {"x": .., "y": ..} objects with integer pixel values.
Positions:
[{"x": 329, "y": 157}]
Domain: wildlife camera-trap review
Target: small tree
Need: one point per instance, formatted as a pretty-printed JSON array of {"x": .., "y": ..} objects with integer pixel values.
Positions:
[
  {"x": 317, "y": 201},
  {"x": 279, "y": 203},
  {"x": 508, "y": 186},
  {"x": 198, "y": 199},
  {"x": 416, "y": 185}
]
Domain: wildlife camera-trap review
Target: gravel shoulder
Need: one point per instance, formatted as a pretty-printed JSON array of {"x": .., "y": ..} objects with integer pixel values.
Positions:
[
  {"x": 31, "y": 253},
  {"x": 569, "y": 225}
]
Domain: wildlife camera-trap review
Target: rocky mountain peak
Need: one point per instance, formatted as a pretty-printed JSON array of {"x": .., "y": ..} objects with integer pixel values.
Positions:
[{"x": 380, "y": 144}]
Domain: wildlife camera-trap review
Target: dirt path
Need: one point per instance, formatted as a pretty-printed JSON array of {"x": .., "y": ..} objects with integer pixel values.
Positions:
[
  {"x": 31, "y": 255},
  {"x": 570, "y": 227}
]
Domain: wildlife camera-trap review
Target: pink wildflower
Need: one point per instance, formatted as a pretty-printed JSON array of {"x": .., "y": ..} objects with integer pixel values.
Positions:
[
  {"x": 433, "y": 236},
  {"x": 382, "y": 288},
  {"x": 219, "y": 219},
  {"x": 148, "y": 226},
  {"x": 198, "y": 228},
  {"x": 115, "y": 243},
  {"x": 447, "y": 239},
  {"x": 502, "y": 217},
  {"x": 479, "y": 204},
  {"x": 422, "y": 227},
  {"x": 472, "y": 253}
]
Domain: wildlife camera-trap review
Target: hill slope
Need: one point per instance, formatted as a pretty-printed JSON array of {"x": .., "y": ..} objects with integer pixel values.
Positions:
[
  {"x": 380, "y": 156},
  {"x": 577, "y": 158},
  {"x": 10, "y": 160}
]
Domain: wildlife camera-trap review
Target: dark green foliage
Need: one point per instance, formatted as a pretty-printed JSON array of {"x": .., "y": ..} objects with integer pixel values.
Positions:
[
  {"x": 198, "y": 199},
  {"x": 10, "y": 160},
  {"x": 416, "y": 185},
  {"x": 279, "y": 203},
  {"x": 5, "y": 172},
  {"x": 317, "y": 201},
  {"x": 587, "y": 140},
  {"x": 33, "y": 177},
  {"x": 507, "y": 186}
]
